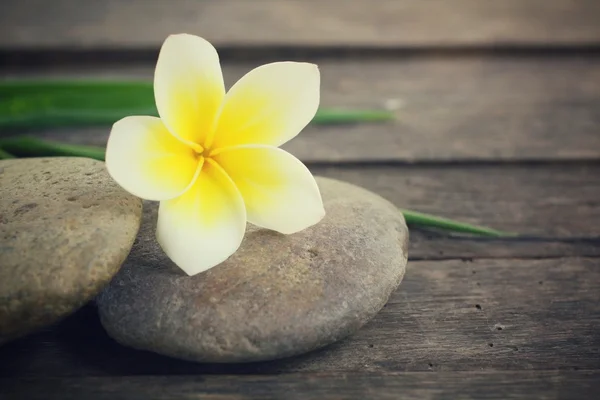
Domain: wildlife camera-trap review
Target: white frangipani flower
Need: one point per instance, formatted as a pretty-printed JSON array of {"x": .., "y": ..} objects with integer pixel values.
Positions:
[{"x": 212, "y": 158}]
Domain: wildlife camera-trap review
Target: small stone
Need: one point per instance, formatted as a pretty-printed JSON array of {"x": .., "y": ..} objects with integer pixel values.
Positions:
[
  {"x": 277, "y": 296},
  {"x": 65, "y": 229}
]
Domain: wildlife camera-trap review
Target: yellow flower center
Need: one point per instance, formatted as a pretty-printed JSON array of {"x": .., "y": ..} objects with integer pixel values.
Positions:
[
  {"x": 204, "y": 152},
  {"x": 200, "y": 153},
  {"x": 198, "y": 149}
]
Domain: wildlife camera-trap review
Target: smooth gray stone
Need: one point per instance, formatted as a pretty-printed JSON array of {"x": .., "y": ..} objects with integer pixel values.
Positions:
[
  {"x": 277, "y": 296},
  {"x": 65, "y": 229}
]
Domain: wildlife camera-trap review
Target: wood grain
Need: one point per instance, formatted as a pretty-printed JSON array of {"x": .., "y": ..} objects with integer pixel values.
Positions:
[
  {"x": 427, "y": 245},
  {"x": 547, "y": 385},
  {"x": 556, "y": 207},
  {"x": 484, "y": 315},
  {"x": 337, "y": 23},
  {"x": 449, "y": 109},
  {"x": 505, "y": 139},
  {"x": 537, "y": 200}
]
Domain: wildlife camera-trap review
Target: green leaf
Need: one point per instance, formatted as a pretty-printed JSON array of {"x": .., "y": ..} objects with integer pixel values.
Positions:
[
  {"x": 421, "y": 219},
  {"x": 25, "y": 146},
  {"x": 331, "y": 116},
  {"x": 35, "y": 104},
  {"x": 4, "y": 155}
]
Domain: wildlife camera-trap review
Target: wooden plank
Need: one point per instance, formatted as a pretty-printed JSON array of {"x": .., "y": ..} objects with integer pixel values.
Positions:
[
  {"x": 485, "y": 315},
  {"x": 548, "y": 385},
  {"x": 450, "y": 108},
  {"x": 373, "y": 23},
  {"x": 537, "y": 200}
]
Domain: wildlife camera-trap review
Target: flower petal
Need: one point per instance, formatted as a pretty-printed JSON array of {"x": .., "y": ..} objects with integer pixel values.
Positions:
[
  {"x": 188, "y": 86},
  {"x": 205, "y": 225},
  {"x": 147, "y": 161},
  {"x": 279, "y": 191},
  {"x": 269, "y": 105}
]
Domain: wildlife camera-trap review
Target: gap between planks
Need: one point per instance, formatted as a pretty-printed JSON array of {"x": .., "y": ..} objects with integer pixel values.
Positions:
[{"x": 315, "y": 386}]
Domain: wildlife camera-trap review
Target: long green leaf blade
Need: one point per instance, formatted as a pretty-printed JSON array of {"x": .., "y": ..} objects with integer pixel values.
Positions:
[
  {"x": 25, "y": 146},
  {"x": 5, "y": 155},
  {"x": 49, "y": 104},
  {"x": 421, "y": 219}
]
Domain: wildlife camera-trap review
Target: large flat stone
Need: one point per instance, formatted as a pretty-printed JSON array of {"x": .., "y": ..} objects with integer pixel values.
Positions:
[{"x": 277, "y": 296}]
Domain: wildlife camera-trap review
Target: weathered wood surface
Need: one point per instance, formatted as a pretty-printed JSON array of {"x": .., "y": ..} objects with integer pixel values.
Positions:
[
  {"x": 556, "y": 206},
  {"x": 537, "y": 200},
  {"x": 449, "y": 109},
  {"x": 484, "y": 315},
  {"x": 505, "y": 139},
  {"x": 546, "y": 385},
  {"x": 375, "y": 23}
]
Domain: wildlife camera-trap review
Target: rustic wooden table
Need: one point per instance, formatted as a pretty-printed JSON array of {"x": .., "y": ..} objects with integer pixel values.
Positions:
[{"x": 498, "y": 123}]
